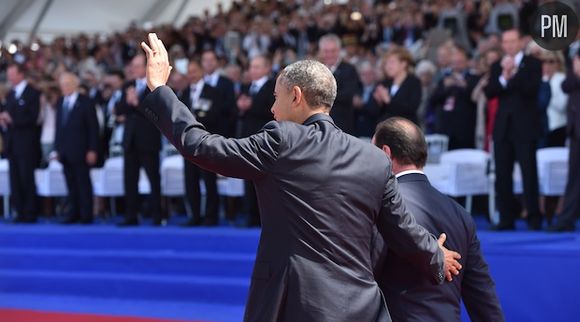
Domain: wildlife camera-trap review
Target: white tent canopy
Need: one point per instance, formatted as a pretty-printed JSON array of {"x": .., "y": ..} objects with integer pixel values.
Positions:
[{"x": 46, "y": 19}]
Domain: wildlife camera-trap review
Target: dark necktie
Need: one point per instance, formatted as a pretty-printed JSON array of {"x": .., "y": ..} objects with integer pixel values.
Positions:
[{"x": 65, "y": 110}]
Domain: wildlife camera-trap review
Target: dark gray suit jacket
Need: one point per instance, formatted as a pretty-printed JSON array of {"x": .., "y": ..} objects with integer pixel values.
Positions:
[
  {"x": 412, "y": 297},
  {"x": 321, "y": 192}
]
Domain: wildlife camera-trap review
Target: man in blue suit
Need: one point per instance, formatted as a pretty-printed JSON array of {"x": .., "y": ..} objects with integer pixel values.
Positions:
[
  {"x": 321, "y": 193},
  {"x": 410, "y": 296},
  {"x": 76, "y": 144}
]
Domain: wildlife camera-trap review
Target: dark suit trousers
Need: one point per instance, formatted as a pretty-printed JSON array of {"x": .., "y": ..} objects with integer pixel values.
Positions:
[
  {"x": 506, "y": 153},
  {"x": 251, "y": 203},
  {"x": 571, "y": 208},
  {"x": 133, "y": 163},
  {"x": 193, "y": 174},
  {"x": 23, "y": 185},
  {"x": 80, "y": 189}
]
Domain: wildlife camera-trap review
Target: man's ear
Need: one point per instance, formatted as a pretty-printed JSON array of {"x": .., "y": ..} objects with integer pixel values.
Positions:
[
  {"x": 297, "y": 92},
  {"x": 387, "y": 151}
]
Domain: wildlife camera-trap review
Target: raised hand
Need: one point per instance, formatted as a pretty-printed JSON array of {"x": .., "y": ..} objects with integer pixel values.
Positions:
[{"x": 158, "y": 68}]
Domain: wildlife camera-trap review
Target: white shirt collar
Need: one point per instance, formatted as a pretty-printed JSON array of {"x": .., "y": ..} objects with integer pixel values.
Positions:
[
  {"x": 198, "y": 88},
  {"x": 518, "y": 58},
  {"x": 402, "y": 173},
  {"x": 260, "y": 82},
  {"x": 212, "y": 79},
  {"x": 72, "y": 99},
  {"x": 19, "y": 89}
]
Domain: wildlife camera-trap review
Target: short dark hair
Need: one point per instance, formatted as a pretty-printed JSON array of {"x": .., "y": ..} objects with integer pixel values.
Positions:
[
  {"x": 404, "y": 138},
  {"x": 19, "y": 67},
  {"x": 116, "y": 72}
]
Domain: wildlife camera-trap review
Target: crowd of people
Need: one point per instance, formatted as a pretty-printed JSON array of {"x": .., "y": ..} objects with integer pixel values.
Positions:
[{"x": 468, "y": 70}]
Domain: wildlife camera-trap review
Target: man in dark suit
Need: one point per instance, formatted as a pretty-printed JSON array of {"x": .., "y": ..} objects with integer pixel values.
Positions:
[
  {"x": 205, "y": 103},
  {"x": 225, "y": 88},
  {"x": 76, "y": 143},
  {"x": 320, "y": 191},
  {"x": 456, "y": 111},
  {"x": 254, "y": 106},
  {"x": 571, "y": 210},
  {"x": 515, "y": 82},
  {"x": 366, "y": 109},
  {"x": 411, "y": 297},
  {"x": 346, "y": 78},
  {"x": 141, "y": 146},
  {"x": 20, "y": 117}
]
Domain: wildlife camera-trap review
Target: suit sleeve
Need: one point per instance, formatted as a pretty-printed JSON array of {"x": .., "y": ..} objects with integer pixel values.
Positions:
[
  {"x": 494, "y": 87},
  {"x": 93, "y": 126},
  {"x": 405, "y": 237},
  {"x": 570, "y": 83},
  {"x": 348, "y": 86},
  {"x": 527, "y": 81},
  {"x": 248, "y": 158},
  {"x": 478, "y": 288},
  {"x": 58, "y": 129}
]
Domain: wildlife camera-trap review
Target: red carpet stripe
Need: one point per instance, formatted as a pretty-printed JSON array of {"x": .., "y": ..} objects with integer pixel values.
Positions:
[{"x": 12, "y": 315}]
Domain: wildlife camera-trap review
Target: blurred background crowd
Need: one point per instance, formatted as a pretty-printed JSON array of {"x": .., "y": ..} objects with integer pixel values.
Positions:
[{"x": 428, "y": 61}]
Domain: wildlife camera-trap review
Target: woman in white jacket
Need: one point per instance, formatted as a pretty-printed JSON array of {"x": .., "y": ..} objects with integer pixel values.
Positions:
[{"x": 553, "y": 70}]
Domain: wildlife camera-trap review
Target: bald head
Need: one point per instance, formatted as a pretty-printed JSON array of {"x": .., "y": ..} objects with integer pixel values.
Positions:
[
  {"x": 405, "y": 141},
  {"x": 68, "y": 83}
]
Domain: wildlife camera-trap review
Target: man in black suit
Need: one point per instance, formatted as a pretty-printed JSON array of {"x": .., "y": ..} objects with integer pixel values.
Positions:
[
  {"x": 225, "y": 88},
  {"x": 346, "y": 78},
  {"x": 205, "y": 103},
  {"x": 141, "y": 146},
  {"x": 571, "y": 210},
  {"x": 76, "y": 143},
  {"x": 321, "y": 192},
  {"x": 20, "y": 117},
  {"x": 456, "y": 111},
  {"x": 411, "y": 297},
  {"x": 515, "y": 81},
  {"x": 254, "y": 106}
]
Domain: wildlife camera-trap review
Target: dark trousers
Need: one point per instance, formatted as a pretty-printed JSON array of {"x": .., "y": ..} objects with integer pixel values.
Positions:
[
  {"x": 506, "y": 152},
  {"x": 80, "y": 189},
  {"x": 571, "y": 207},
  {"x": 23, "y": 186},
  {"x": 133, "y": 161},
  {"x": 193, "y": 174},
  {"x": 251, "y": 203}
]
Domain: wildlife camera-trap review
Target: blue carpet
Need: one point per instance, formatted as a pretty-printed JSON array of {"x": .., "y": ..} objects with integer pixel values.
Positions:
[{"x": 204, "y": 273}]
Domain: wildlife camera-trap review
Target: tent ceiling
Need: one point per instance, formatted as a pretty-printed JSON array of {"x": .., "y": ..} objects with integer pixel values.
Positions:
[{"x": 65, "y": 17}]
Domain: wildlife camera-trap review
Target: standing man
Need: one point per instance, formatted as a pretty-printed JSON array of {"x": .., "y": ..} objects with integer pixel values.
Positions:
[
  {"x": 205, "y": 103},
  {"x": 76, "y": 144},
  {"x": 411, "y": 297},
  {"x": 321, "y": 192},
  {"x": 347, "y": 80},
  {"x": 254, "y": 106},
  {"x": 20, "y": 117},
  {"x": 571, "y": 210},
  {"x": 515, "y": 81},
  {"x": 141, "y": 146},
  {"x": 225, "y": 88},
  {"x": 456, "y": 111}
]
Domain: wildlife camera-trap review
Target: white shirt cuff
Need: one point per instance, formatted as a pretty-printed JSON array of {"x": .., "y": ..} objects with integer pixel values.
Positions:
[{"x": 503, "y": 81}]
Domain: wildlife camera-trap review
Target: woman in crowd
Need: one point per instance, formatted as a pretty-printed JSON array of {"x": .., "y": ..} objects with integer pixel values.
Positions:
[{"x": 400, "y": 93}]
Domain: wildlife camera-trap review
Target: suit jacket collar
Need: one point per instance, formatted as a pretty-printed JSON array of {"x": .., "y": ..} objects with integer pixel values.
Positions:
[
  {"x": 413, "y": 177},
  {"x": 318, "y": 118}
]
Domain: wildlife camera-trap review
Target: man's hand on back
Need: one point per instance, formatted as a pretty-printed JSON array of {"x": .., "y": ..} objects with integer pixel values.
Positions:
[{"x": 452, "y": 265}]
